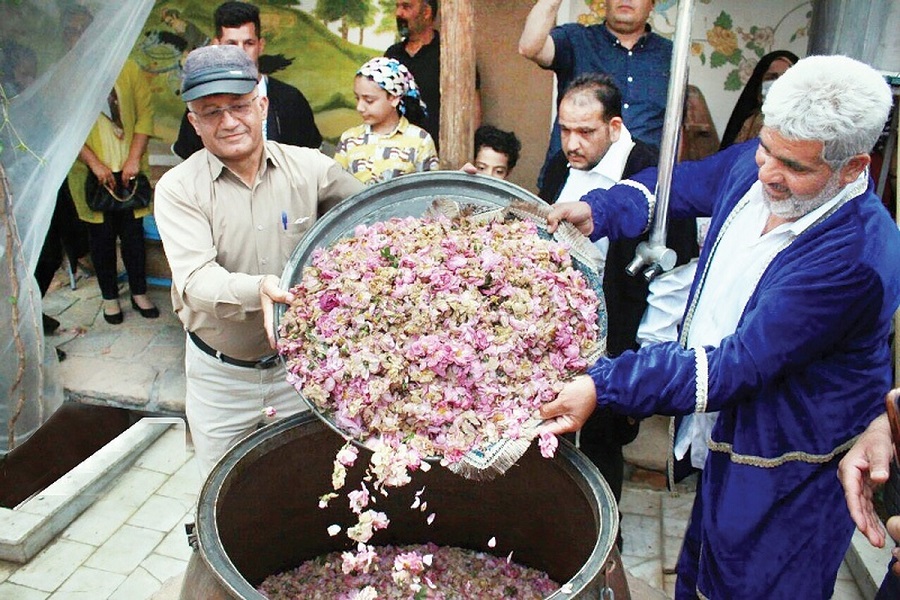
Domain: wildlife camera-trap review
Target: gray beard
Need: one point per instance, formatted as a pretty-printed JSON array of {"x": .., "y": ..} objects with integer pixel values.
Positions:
[{"x": 796, "y": 207}]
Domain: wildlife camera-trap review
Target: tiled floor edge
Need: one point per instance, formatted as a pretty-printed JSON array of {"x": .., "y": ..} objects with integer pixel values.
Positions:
[
  {"x": 867, "y": 563},
  {"x": 20, "y": 544}
]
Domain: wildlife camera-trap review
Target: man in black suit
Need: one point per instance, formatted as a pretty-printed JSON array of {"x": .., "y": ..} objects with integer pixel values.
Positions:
[
  {"x": 598, "y": 152},
  {"x": 290, "y": 119}
]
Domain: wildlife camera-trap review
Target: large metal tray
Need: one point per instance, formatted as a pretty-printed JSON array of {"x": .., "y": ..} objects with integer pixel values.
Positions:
[{"x": 407, "y": 196}]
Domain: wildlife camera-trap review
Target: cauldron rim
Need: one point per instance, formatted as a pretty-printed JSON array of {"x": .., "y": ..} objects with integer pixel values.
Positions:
[{"x": 212, "y": 552}]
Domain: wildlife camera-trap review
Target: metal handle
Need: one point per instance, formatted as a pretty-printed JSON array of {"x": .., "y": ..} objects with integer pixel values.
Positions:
[{"x": 668, "y": 149}]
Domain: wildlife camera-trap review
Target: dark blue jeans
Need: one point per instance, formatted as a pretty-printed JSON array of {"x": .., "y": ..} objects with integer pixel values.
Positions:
[{"x": 890, "y": 587}]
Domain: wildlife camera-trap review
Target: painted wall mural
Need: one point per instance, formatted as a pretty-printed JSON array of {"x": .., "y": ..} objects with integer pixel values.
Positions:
[
  {"x": 728, "y": 38},
  {"x": 315, "y": 45}
]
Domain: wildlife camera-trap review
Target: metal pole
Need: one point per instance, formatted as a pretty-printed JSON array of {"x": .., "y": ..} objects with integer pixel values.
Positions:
[{"x": 654, "y": 255}]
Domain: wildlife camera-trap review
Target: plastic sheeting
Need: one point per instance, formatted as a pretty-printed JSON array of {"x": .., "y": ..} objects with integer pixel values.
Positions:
[{"x": 58, "y": 61}]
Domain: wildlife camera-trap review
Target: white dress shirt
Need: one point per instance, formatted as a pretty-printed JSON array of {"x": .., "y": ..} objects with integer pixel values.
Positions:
[
  {"x": 263, "y": 88},
  {"x": 737, "y": 264}
]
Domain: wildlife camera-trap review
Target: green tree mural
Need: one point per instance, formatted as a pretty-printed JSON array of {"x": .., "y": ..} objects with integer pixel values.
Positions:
[
  {"x": 363, "y": 21},
  {"x": 387, "y": 23},
  {"x": 348, "y": 12}
]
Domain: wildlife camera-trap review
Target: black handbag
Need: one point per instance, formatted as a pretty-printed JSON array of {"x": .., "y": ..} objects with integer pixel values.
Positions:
[{"x": 103, "y": 198}]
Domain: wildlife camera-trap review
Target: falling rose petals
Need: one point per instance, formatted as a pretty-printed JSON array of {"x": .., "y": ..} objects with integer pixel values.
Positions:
[
  {"x": 492, "y": 542},
  {"x": 333, "y": 530},
  {"x": 347, "y": 455},
  {"x": 325, "y": 499},
  {"x": 547, "y": 442},
  {"x": 270, "y": 412},
  {"x": 410, "y": 336}
]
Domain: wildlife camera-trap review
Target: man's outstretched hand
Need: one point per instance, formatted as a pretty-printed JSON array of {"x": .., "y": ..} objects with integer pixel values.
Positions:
[
  {"x": 576, "y": 213},
  {"x": 572, "y": 406},
  {"x": 863, "y": 469}
]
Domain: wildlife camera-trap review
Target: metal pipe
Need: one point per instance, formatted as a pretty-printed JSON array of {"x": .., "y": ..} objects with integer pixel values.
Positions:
[{"x": 655, "y": 255}]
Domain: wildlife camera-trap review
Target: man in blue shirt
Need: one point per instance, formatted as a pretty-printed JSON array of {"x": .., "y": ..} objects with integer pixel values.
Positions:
[{"x": 622, "y": 46}]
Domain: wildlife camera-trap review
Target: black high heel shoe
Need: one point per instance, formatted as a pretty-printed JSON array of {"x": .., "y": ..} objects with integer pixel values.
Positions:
[{"x": 147, "y": 313}]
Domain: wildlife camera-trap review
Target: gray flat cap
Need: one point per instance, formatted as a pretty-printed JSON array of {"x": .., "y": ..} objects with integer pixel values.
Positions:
[{"x": 221, "y": 69}]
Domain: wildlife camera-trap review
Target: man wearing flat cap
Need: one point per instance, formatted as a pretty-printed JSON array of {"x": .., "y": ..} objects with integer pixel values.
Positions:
[{"x": 229, "y": 217}]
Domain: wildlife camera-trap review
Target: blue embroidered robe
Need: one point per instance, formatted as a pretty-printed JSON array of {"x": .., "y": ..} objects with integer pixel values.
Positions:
[{"x": 803, "y": 374}]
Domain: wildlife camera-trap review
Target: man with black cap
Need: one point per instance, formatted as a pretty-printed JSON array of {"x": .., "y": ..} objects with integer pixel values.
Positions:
[{"x": 229, "y": 217}]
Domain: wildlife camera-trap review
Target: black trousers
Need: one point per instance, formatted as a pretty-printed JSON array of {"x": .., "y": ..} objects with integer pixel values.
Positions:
[
  {"x": 67, "y": 233},
  {"x": 130, "y": 231}
]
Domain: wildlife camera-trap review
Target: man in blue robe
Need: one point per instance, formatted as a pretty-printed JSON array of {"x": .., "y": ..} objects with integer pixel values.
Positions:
[{"x": 785, "y": 334}]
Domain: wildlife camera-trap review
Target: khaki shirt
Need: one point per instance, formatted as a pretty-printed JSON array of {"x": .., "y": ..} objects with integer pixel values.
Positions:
[{"x": 220, "y": 236}]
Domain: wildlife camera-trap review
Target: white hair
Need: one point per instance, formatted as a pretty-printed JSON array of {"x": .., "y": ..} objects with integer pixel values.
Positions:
[{"x": 832, "y": 99}]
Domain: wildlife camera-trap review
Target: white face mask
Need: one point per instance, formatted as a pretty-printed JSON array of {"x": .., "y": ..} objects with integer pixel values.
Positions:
[{"x": 766, "y": 85}]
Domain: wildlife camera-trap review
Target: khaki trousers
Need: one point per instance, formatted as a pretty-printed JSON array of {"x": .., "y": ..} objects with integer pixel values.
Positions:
[{"x": 224, "y": 403}]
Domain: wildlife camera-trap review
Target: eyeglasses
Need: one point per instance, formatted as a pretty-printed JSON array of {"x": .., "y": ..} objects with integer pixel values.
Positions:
[{"x": 238, "y": 111}]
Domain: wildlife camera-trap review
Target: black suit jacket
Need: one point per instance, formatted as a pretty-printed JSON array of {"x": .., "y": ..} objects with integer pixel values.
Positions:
[
  {"x": 290, "y": 121},
  {"x": 626, "y": 296}
]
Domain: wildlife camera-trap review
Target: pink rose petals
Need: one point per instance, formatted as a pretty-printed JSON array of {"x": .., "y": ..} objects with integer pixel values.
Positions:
[
  {"x": 437, "y": 336},
  {"x": 547, "y": 442},
  {"x": 359, "y": 499},
  {"x": 428, "y": 338},
  {"x": 370, "y": 521},
  {"x": 347, "y": 455},
  {"x": 389, "y": 572}
]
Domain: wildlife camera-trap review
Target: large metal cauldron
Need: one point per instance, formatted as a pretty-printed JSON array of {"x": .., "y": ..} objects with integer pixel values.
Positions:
[{"x": 258, "y": 514}]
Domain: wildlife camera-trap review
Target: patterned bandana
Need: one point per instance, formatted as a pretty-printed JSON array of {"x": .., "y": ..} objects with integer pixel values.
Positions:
[{"x": 394, "y": 78}]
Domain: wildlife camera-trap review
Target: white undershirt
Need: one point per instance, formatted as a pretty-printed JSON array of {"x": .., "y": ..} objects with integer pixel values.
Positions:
[
  {"x": 604, "y": 175},
  {"x": 734, "y": 270},
  {"x": 263, "y": 88}
]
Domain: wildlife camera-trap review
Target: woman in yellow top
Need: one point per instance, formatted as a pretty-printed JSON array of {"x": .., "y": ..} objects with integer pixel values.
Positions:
[
  {"x": 388, "y": 143},
  {"x": 118, "y": 143}
]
